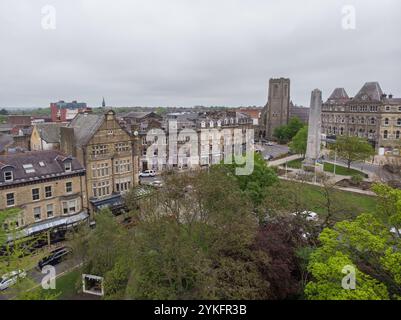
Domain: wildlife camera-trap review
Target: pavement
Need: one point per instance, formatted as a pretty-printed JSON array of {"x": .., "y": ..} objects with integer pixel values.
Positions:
[
  {"x": 279, "y": 162},
  {"x": 375, "y": 172},
  {"x": 37, "y": 276},
  {"x": 276, "y": 150}
]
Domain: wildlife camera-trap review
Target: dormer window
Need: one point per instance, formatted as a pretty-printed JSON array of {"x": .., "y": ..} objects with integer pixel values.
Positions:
[
  {"x": 8, "y": 176},
  {"x": 203, "y": 124},
  {"x": 67, "y": 166}
]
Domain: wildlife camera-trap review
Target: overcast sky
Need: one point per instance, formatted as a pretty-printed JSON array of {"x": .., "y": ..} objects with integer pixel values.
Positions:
[{"x": 193, "y": 52}]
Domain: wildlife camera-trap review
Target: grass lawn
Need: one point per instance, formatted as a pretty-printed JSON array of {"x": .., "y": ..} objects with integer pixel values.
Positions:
[
  {"x": 328, "y": 167},
  {"x": 352, "y": 202},
  {"x": 65, "y": 285}
]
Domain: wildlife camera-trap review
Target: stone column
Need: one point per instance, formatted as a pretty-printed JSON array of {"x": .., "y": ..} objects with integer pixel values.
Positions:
[{"x": 314, "y": 132}]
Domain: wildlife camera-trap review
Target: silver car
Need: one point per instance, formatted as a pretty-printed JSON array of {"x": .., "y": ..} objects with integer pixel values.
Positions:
[{"x": 11, "y": 278}]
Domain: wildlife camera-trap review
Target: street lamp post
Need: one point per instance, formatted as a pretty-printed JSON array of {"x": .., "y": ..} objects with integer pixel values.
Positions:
[{"x": 335, "y": 161}]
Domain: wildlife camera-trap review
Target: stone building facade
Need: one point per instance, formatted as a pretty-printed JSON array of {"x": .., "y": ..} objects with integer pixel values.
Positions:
[
  {"x": 277, "y": 110},
  {"x": 46, "y": 136},
  {"x": 371, "y": 114},
  {"x": 48, "y": 188},
  {"x": 107, "y": 151},
  {"x": 172, "y": 137}
]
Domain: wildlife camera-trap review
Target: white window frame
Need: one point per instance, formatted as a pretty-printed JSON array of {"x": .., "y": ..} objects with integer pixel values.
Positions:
[
  {"x": 12, "y": 176},
  {"x": 68, "y": 166},
  {"x": 38, "y": 199},
  {"x": 40, "y": 213},
  {"x": 11, "y": 205},
  {"x": 51, "y": 191},
  {"x": 47, "y": 210},
  {"x": 66, "y": 188}
]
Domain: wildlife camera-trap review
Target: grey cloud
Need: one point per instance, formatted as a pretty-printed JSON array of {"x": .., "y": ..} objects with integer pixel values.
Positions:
[{"x": 189, "y": 52}]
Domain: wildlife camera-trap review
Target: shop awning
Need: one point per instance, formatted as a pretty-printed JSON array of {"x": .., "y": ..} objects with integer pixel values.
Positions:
[{"x": 50, "y": 224}]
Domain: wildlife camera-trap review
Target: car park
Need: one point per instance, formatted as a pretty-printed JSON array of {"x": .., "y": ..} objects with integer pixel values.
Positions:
[{"x": 11, "y": 278}]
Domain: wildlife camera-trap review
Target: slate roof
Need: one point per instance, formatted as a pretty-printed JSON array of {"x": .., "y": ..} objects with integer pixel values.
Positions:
[
  {"x": 5, "y": 140},
  {"x": 85, "y": 126},
  {"x": 339, "y": 94},
  {"x": 4, "y": 127},
  {"x": 372, "y": 90},
  {"x": 53, "y": 166},
  {"x": 49, "y": 132}
]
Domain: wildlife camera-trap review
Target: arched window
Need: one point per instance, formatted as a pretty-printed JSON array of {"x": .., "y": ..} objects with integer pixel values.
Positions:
[
  {"x": 372, "y": 121},
  {"x": 399, "y": 122},
  {"x": 386, "y": 122},
  {"x": 385, "y": 134},
  {"x": 397, "y": 134}
]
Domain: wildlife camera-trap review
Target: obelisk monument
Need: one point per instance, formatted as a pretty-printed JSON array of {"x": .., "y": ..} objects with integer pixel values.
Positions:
[{"x": 314, "y": 132}]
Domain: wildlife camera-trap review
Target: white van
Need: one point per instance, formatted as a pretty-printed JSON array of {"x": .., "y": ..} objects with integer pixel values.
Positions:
[{"x": 147, "y": 173}]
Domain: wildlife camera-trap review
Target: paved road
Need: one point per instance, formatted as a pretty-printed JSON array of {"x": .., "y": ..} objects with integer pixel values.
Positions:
[
  {"x": 37, "y": 277},
  {"x": 148, "y": 180},
  {"x": 275, "y": 150},
  {"x": 373, "y": 170}
]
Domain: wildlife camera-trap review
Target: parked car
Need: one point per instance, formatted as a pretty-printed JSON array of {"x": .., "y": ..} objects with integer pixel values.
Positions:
[
  {"x": 11, "y": 278},
  {"x": 269, "y": 157},
  {"x": 309, "y": 215},
  {"x": 156, "y": 184},
  {"x": 55, "y": 257},
  {"x": 147, "y": 173}
]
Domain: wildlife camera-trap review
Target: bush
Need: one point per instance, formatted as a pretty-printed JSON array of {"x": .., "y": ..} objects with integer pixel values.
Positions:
[{"x": 356, "y": 179}]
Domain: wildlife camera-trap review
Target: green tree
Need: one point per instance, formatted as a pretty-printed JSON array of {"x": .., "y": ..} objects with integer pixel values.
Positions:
[
  {"x": 104, "y": 251},
  {"x": 300, "y": 141},
  {"x": 285, "y": 133},
  {"x": 193, "y": 240},
  {"x": 255, "y": 186},
  {"x": 352, "y": 149},
  {"x": 17, "y": 254},
  {"x": 371, "y": 244}
]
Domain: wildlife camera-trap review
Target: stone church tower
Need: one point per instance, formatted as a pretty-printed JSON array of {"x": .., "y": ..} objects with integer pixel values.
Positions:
[{"x": 277, "y": 110}]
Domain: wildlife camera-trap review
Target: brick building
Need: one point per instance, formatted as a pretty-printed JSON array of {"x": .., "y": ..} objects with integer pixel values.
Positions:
[{"x": 66, "y": 111}]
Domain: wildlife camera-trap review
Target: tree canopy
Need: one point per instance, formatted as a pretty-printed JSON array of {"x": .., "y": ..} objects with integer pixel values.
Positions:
[
  {"x": 370, "y": 244},
  {"x": 300, "y": 141},
  {"x": 351, "y": 149},
  {"x": 285, "y": 133}
]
